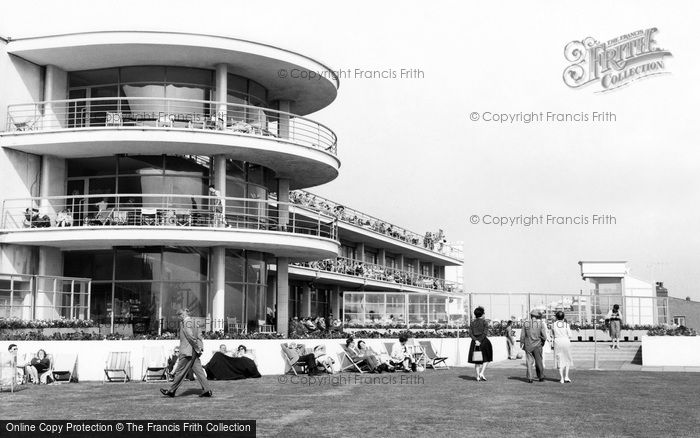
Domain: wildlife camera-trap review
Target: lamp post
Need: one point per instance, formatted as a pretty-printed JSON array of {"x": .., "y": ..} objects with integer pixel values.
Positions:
[{"x": 595, "y": 336}]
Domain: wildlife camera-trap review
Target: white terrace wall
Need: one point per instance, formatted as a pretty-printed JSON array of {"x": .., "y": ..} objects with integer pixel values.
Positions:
[
  {"x": 92, "y": 354},
  {"x": 666, "y": 351}
]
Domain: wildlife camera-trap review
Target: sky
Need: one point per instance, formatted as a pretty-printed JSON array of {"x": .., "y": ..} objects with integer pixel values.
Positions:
[{"x": 412, "y": 155}]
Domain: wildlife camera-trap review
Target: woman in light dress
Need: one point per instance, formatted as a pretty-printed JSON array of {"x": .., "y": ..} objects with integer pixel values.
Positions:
[{"x": 561, "y": 335}]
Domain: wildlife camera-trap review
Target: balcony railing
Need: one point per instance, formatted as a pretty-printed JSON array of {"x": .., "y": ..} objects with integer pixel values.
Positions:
[
  {"x": 431, "y": 241},
  {"x": 184, "y": 114},
  {"x": 356, "y": 268},
  {"x": 162, "y": 210}
]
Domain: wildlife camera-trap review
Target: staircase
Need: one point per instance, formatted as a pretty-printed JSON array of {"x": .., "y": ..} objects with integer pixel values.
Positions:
[
  {"x": 583, "y": 354},
  {"x": 629, "y": 356}
]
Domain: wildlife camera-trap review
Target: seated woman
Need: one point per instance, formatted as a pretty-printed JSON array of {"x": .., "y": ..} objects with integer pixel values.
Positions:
[
  {"x": 37, "y": 367},
  {"x": 222, "y": 367},
  {"x": 375, "y": 361}
]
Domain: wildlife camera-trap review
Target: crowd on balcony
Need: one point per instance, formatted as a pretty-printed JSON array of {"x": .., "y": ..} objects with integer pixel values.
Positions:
[
  {"x": 434, "y": 241},
  {"x": 314, "y": 325},
  {"x": 357, "y": 268}
]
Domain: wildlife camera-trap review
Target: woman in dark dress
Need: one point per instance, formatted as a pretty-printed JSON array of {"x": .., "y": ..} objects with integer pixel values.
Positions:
[
  {"x": 38, "y": 366},
  {"x": 615, "y": 325},
  {"x": 480, "y": 342}
]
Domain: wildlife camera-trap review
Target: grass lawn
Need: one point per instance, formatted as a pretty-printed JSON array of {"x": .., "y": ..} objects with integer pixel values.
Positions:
[{"x": 432, "y": 404}]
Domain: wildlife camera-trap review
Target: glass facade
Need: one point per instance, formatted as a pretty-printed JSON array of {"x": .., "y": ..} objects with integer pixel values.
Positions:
[
  {"x": 145, "y": 286},
  {"x": 395, "y": 310}
]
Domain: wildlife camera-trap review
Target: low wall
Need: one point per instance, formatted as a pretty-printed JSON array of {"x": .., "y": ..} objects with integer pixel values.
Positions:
[
  {"x": 682, "y": 351},
  {"x": 93, "y": 354}
]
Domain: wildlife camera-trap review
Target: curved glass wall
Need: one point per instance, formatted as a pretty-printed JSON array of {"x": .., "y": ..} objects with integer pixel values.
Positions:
[
  {"x": 144, "y": 287},
  {"x": 161, "y": 174}
]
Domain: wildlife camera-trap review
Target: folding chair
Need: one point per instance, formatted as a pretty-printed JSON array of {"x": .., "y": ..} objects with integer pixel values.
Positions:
[
  {"x": 48, "y": 374},
  {"x": 120, "y": 217},
  {"x": 9, "y": 377},
  {"x": 64, "y": 367},
  {"x": 118, "y": 363},
  {"x": 293, "y": 365},
  {"x": 418, "y": 353},
  {"x": 154, "y": 365},
  {"x": 433, "y": 360},
  {"x": 148, "y": 216},
  {"x": 347, "y": 362},
  {"x": 388, "y": 346},
  {"x": 183, "y": 217}
]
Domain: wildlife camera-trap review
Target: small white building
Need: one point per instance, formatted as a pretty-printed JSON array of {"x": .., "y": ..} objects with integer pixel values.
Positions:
[{"x": 612, "y": 284}]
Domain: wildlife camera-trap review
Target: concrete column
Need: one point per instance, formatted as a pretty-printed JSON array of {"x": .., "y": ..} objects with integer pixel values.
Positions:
[
  {"x": 283, "y": 296},
  {"x": 360, "y": 251},
  {"x": 336, "y": 302},
  {"x": 283, "y": 197},
  {"x": 55, "y": 88},
  {"x": 218, "y": 265},
  {"x": 220, "y": 185},
  {"x": 51, "y": 265},
  {"x": 305, "y": 301},
  {"x": 221, "y": 94},
  {"x": 52, "y": 183},
  {"x": 381, "y": 257},
  {"x": 283, "y": 125},
  {"x": 400, "y": 261}
]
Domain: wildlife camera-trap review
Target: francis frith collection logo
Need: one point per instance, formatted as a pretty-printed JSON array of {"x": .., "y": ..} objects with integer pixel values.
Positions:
[{"x": 614, "y": 63}]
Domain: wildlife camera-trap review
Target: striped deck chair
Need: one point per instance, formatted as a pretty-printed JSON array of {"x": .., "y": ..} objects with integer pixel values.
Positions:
[
  {"x": 433, "y": 359},
  {"x": 154, "y": 365},
  {"x": 347, "y": 362},
  {"x": 64, "y": 367},
  {"x": 388, "y": 346},
  {"x": 118, "y": 367}
]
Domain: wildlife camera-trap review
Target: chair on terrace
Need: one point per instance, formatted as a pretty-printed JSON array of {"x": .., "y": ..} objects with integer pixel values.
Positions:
[
  {"x": 295, "y": 367},
  {"x": 234, "y": 326},
  {"x": 347, "y": 362},
  {"x": 433, "y": 359},
  {"x": 64, "y": 367},
  {"x": 154, "y": 366},
  {"x": 117, "y": 367}
]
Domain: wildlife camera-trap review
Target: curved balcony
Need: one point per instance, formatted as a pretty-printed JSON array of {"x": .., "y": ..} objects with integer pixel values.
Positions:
[
  {"x": 294, "y": 147},
  {"x": 386, "y": 274},
  {"x": 307, "y": 83},
  {"x": 430, "y": 242},
  {"x": 106, "y": 220}
]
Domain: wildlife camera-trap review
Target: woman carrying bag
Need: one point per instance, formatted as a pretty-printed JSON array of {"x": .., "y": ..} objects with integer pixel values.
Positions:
[{"x": 480, "y": 351}]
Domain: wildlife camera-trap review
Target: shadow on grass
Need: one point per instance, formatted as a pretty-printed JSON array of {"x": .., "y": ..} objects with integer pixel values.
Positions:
[{"x": 467, "y": 378}]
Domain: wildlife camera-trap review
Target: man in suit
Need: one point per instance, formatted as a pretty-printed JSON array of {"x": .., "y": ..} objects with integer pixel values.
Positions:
[
  {"x": 532, "y": 338},
  {"x": 191, "y": 347}
]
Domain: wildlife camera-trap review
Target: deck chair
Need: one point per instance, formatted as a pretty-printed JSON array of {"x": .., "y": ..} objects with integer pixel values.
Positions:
[
  {"x": 64, "y": 367},
  {"x": 418, "y": 353},
  {"x": 102, "y": 217},
  {"x": 47, "y": 376},
  {"x": 388, "y": 346},
  {"x": 183, "y": 217},
  {"x": 11, "y": 377},
  {"x": 347, "y": 362},
  {"x": 154, "y": 365},
  {"x": 120, "y": 217},
  {"x": 294, "y": 367},
  {"x": 118, "y": 367},
  {"x": 433, "y": 360},
  {"x": 148, "y": 216}
]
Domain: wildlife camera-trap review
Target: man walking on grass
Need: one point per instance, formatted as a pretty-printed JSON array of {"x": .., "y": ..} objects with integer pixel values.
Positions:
[
  {"x": 191, "y": 347},
  {"x": 532, "y": 338}
]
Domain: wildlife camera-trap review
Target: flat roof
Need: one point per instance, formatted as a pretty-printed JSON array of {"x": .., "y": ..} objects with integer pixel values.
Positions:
[{"x": 287, "y": 75}]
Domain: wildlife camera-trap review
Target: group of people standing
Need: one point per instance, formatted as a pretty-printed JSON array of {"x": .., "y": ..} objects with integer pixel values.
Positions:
[{"x": 533, "y": 337}]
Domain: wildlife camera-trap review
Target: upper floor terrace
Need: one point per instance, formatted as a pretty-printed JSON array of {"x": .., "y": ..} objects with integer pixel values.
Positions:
[
  {"x": 294, "y": 147},
  {"x": 104, "y": 221},
  {"x": 360, "y": 227}
]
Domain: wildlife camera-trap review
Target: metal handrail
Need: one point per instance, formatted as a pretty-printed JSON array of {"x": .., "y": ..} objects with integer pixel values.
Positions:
[
  {"x": 355, "y": 217},
  {"x": 172, "y": 113},
  {"x": 162, "y": 210},
  {"x": 373, "y": 271}
]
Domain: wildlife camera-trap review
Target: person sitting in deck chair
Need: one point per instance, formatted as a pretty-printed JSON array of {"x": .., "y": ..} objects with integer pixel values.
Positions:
[{"x": 401, "y": 355}]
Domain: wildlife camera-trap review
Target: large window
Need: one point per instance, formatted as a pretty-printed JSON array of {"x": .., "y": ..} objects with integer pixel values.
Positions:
[
  {"x": 397, "y": 310},
  {"x": 146, "y": 286},
  {"x": 161, "y": 174}
]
